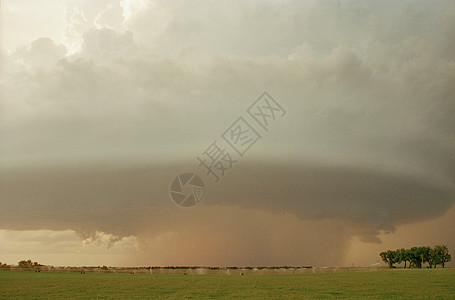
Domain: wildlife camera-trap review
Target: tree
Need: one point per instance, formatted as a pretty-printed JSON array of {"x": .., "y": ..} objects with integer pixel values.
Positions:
[
  {"x": 416, "y": 257},
  {"x": 425, "y": 255},
  {"x": 441, "y": 255},
  {"x": 404, "y": 256},
  {"x": 432, "y": 262},
  {"x": 390, "y": 257},
  {"x": 25, "y": 263}
]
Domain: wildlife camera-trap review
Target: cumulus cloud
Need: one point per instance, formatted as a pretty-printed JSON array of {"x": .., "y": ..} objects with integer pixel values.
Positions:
[{"x": 91, "y": 141}]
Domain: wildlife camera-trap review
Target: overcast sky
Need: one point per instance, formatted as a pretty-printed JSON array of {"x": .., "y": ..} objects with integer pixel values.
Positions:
[{"x": 104, "y": 102}]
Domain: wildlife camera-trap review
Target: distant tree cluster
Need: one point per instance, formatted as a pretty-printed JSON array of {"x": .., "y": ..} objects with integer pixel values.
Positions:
[
  {"x": 28, "y": 264},
  {"x": 415, "y": 257}
]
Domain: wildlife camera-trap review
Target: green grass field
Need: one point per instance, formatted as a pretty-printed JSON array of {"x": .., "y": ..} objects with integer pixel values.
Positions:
[{"x": 384, "y": 284}]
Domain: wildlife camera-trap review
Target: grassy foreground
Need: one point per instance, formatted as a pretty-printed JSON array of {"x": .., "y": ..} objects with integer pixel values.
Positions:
[{"x": 384, "y": 284}]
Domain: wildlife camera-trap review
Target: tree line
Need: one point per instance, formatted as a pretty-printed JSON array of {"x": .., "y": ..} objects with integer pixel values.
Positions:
[
  {"x": 416, "y": 257},
  {"x": 28, "y": 264}
]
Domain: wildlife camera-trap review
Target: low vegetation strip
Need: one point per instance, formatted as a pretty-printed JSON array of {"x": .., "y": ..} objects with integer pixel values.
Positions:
[{"x": 383, "y": 284}]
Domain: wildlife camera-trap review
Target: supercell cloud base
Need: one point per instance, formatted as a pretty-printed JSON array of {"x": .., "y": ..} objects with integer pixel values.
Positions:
[{"x": 103, "y": 104}]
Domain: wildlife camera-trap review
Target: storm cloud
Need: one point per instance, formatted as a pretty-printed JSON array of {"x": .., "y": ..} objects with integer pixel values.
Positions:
[{"x": 95, "y": 126}]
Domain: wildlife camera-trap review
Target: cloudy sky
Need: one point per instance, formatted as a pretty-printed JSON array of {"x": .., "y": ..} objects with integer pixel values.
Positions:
[{"x": 103, "y": 103}]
